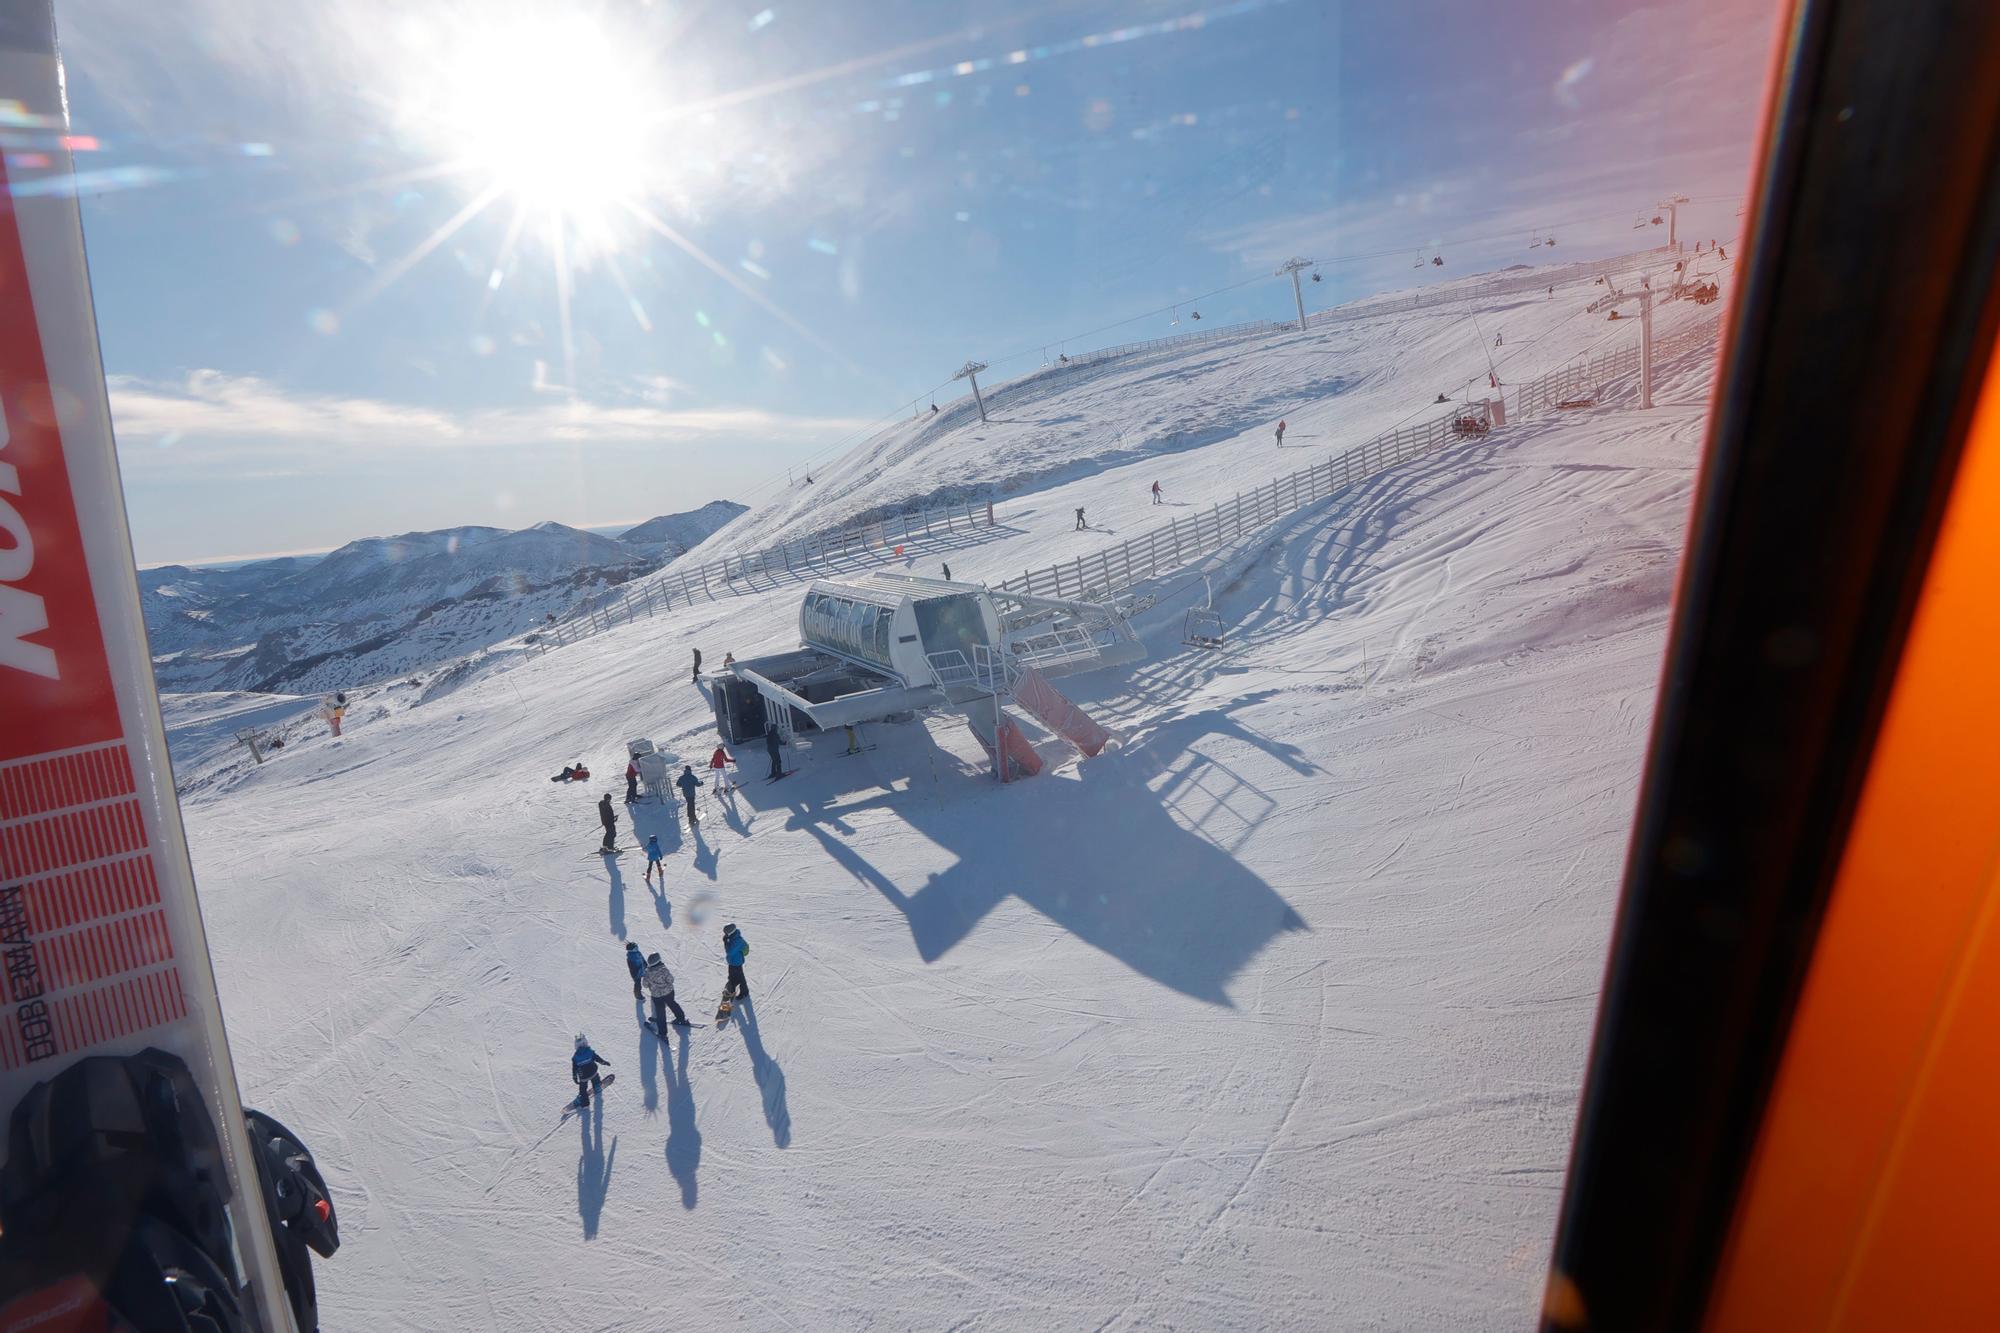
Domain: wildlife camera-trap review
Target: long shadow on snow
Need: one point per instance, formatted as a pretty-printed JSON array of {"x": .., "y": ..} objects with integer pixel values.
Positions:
[
  {"x": 617, "y": 896},
  {"x": 770, "y": 1077},
  {"x": 683, "y": 1135},
  {"x": 649, "y": 1042},
  {"x": 1107, "y": 862},
  {"x": 593, "y": 1169}
]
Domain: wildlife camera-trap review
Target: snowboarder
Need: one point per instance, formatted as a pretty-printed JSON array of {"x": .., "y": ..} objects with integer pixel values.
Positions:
[
  {"x": 1496, "y": 340},
  {"x": 734, "y": 950},
  {"x": 1156, "y": 492},
  {"x": 583, "y": 1070},
  {"x": 1080, "y": 524},
  {"x": 1281, "y": 434},
  {"x": 687, "y": 782},
  {"x": 718, "y": 768},
  {"x": 659, "y": 983},
  {"x": 696, "y": 678},
  {"x": 1440, "y": 399},
  {"x": 635, "y": 964},
  {"x": 631, "y": 781},
  {"x": 607, "y": 817},
  {"x": 772, "y": 743},
  {"x": 655, "y": 860},
  {"x": 572, "y": 773},
  {"x": 947, "y": 572}
]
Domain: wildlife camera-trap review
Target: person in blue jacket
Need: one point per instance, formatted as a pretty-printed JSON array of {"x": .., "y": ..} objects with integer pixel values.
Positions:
[
  {"x": 735, "y": 949},
  {"x": 655, "y": 860},
  {"x": 687, "y": 782},
  {"x": 635, "y": 964},
  {"x": 583, "y": 1069}
]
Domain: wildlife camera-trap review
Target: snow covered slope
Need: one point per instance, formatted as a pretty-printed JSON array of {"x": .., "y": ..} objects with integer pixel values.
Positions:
[{"x": 1271, "y": 1016}]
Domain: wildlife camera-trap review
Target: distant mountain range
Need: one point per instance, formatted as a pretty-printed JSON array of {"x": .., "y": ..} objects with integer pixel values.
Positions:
[{"x": 387, "y": 606}]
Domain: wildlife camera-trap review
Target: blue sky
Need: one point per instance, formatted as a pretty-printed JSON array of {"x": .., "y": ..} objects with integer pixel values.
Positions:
[{"x": 299, "y": 353}]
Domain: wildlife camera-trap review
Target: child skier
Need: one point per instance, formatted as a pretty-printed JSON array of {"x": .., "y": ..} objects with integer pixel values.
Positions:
[
  {"x": 735, "y": 949},
  {"x": 688, "y": 783},
  {"x": 660, "y": 985},
  {"x": 583, "y": 1070},
  {"x": 718, "y": 768},
  {"x": 635, "y": 965},
  {"x": 655, "y": 860}
]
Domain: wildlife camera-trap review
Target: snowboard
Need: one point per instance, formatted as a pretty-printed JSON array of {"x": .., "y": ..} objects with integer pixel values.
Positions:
[
  {"x": 722, "y": 1015},
  {"x": 781, "y": 777},
  {"x": 576, "y": 1102}
]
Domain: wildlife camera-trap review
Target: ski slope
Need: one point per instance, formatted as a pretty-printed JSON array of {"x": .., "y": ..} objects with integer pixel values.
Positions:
[{"x": 1272, "y": 1016}]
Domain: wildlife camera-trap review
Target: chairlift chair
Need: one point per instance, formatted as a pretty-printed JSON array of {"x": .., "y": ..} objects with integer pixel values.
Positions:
[
  {"x": 1438, "y": 260},
  {"x": 1194, "y": 314}
]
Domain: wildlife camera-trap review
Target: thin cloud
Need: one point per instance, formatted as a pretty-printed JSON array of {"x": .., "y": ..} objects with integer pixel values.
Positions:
[{"x": 214, "y": 417}]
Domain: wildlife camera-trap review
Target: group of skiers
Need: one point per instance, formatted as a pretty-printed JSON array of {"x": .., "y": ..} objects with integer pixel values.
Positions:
[{"x": 653, "y": 980}]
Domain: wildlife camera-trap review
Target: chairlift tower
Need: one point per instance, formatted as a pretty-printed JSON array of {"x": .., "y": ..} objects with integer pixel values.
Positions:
[
  {"x": 1644, "y": 295},
  {"x": 1293, "y": 267},
  {"x": 1671, "y": 207},
  {"x": 970, "y": 371}
]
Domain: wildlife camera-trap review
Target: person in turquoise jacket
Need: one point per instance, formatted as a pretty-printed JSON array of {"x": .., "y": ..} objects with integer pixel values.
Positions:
[{"x": 735, "y": 949}]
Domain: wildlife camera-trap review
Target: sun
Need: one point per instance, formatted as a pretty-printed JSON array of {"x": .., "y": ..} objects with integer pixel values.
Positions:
[{"x": 547, "y": 110}]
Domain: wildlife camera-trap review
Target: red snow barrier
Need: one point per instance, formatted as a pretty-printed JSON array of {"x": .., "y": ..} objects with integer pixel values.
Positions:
[
  {"x": 1034, "y": 693},
  {"x": 1014, "y": 744}
]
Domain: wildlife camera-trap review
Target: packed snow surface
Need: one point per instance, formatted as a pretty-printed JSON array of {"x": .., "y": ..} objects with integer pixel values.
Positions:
[{"x": 1271, "y": 1016}]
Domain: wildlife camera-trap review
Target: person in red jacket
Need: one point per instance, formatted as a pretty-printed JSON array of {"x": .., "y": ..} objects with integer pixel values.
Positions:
[
  {"x": 718, "y": 768},
  {"x": 631, "y": 781}
]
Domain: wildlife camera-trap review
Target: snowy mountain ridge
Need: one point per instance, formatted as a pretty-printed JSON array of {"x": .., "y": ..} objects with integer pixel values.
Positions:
[{"x": 385, "y": 606}]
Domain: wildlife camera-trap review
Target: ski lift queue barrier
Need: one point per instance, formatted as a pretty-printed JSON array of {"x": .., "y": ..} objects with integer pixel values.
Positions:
[{"x": 1107, "y": 573}]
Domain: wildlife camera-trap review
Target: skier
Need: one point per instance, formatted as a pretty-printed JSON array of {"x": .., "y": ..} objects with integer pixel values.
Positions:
[
  {"x": 1156, "y": 492},
  {"x": 631, "y": 781},
  {"x": 609, "y": 819},
  {"x": 635, "y": 964},
  {"x": 655, "y": 860},
  {"x": 696, "y": 678},
  {"x": 583, "y": 1070},
  {"x": 1080, "y": 524},
  {"x": 659, "y": 985},
  {"x": 687, "y": 782},
  {"x": 336, "y": 709},
  {"x": 1281, "y": 434},
  {"x": 734, "y": 950},
  {"x": 718, "y": 768},
  {"x": 1496, "y": 340},
  {"x": 772, "y": 742},
  {"x": 947, "y": 572}
]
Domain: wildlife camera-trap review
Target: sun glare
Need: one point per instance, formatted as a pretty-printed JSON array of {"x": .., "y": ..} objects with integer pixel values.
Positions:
[{"x": 548, "y": 111}]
